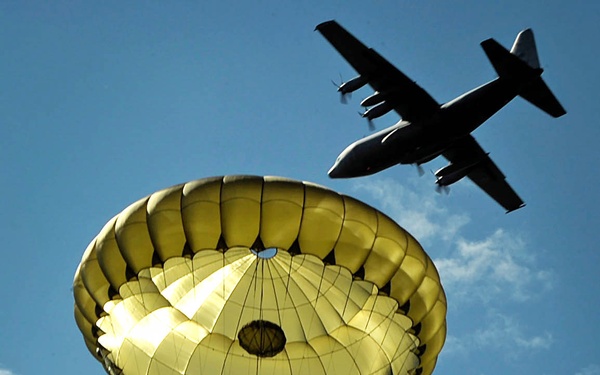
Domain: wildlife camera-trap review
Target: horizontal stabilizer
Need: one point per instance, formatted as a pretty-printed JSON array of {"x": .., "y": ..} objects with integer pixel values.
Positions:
[
  {"x": 522, "y": 64},
  {"x": 538, "y": 94}
]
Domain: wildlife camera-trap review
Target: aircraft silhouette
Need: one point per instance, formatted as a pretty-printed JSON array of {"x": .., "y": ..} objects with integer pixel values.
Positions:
[{"x": 427, "y": 129}]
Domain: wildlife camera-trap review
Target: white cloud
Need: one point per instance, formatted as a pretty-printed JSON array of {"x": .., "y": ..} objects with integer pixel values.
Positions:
[
  {"x": 593, "y": 369},
  {"x": 4, "y": 371},
  {"x": 496, "y": 265},
  {"x": 455, "y": 346},
  {"x": 502, "y": 333}
]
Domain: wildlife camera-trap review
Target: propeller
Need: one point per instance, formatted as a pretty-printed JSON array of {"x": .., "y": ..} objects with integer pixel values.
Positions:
[
  {"x": 343, "y": 95},
  {"x": 420, "y": 170},
  {"x": 371, "y": 124},
  {"x": 369, "y": 121},
  {"x": 442, "y": 189}
]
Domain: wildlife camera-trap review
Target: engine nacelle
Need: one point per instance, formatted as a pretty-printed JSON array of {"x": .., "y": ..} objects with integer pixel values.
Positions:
[
  {"x": 377, "y": 111},
  {"x": 353, "y": 84},
  {"x": 374, "y": 99},
  {"x": 455, "y": 171}
]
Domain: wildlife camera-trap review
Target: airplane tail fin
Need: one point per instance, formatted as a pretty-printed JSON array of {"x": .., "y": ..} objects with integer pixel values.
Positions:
[
  {"x": 524, "y": 48},
  {"x": 522, "y": 64}
]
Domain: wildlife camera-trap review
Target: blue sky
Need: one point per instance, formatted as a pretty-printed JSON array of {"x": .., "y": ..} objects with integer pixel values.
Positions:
[{"x": 103, "y": 104}]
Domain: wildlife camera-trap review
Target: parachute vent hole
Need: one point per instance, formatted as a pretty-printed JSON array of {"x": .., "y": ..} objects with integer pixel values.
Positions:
[
  {"x": 265, "y": 253},
  {"x": 262, "y": 338}
]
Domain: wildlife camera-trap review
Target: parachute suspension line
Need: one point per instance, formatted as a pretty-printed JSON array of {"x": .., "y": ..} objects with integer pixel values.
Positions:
[
  {"x": 223, "y": 262},
  {"x": 237, "y": 328},
  {"x": 223, "y": 274},
  {"x": 372, "y": 309},
  {"x": 387, "y": 330},
  {"x": 319, "y": 293},
  {"x": 347, "y": 297},
  {"x": 255, "y": 278},
  {"x": 315, "y": 313},
  {"x": 289, "y": 276},
  {"x": 375, "y": 298},
  {"x": 320, "y": 285},
  {"x": 245, "y": 300},
  {"x": 270, "y": 272},
  {"x": 261, "y": 314},
  {"x": 280, "y": 311},
  {"x": 352, "y": 277},
  {"x": 222, "y": 243},
  {"x": 262, "y": 286},
  {"x": 227, "y": 356},
  {"x": 260, "y": 260}
]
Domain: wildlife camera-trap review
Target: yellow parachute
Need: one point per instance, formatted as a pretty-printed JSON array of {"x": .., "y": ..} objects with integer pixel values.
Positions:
[{"x": 258, "y": 275}]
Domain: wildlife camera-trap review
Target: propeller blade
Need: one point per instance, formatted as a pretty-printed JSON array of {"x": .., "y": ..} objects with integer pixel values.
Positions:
[
  {"x": 420, "y": 170},
  {"x": 344, "y": 96},
  {"x": 442, "y": 189},
  {"x": 369, "y": 120},
  {"x": 371, "y": 124}
]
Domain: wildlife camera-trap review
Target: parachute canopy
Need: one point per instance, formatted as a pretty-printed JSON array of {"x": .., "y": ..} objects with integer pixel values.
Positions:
[{"x": 258, "y": 275}]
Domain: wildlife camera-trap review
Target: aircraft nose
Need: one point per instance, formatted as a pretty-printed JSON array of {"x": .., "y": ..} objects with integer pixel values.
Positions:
[{"x": 334, "y": 171}]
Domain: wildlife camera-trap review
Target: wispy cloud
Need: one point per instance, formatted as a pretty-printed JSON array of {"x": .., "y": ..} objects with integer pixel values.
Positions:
[
  {"x": 483, "y": 271},
  {"x": 502, "y": 333},
  {"x": 496, "y": 265},
  {"x": 592, "y": 369},
  {"x": 420, "y": 214},
  {"x": 4, "y": 371}
]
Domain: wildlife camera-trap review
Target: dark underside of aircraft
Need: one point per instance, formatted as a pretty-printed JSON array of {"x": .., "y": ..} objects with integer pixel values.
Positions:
[{"x": 427, "y": 129}]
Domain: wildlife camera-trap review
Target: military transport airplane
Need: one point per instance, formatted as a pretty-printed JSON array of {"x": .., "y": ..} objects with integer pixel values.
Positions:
[{"x": 427, "y": 129}]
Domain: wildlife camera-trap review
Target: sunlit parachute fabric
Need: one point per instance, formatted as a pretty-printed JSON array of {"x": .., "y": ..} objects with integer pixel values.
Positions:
[{"x": 258, "y": 275}]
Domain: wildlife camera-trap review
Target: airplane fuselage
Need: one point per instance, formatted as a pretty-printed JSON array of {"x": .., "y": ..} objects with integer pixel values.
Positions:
[
  {"x": 423, "y": 140},
  {"x": 428, "y": 129}
]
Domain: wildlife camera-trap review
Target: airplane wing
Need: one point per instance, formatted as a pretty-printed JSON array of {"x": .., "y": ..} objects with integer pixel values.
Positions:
[
  {"x": 485, "y": 174},
  {"x": 408, "y": 99}
]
